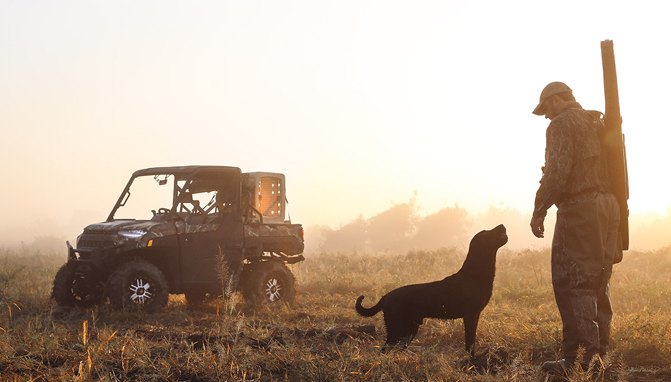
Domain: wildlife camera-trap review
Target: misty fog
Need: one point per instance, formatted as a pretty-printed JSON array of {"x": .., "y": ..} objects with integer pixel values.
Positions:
[{"x": 400, "y": 228}]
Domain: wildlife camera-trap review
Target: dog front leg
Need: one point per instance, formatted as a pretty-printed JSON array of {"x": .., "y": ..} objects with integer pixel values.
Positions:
[{"x": 470, "y": 326}]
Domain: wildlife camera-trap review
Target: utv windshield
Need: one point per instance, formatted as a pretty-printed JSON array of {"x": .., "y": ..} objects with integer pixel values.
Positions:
[
  {"x": 145, "y": 196},
  {"x": 206, "y": 192}
]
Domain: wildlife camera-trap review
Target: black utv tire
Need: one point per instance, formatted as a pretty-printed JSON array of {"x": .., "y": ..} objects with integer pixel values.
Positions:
[
  {"x": 138, "y": 285},
  {"x": 267, "y": 283},
  {"x": 70, "y": 289}
]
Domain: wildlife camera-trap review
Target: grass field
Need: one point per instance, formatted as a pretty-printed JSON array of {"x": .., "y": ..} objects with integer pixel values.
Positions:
[{"x": 321, "y": 338}]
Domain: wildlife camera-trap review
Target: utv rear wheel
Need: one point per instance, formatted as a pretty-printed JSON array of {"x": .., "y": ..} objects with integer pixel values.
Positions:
[
  {"x": 268, "y": 283},
  {"x": 71, "y": 289},
  {"x": 139, "y": 285}
]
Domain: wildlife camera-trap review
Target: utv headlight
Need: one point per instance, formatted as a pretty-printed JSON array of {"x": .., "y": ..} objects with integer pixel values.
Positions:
[{"x": 132, "y": 234}]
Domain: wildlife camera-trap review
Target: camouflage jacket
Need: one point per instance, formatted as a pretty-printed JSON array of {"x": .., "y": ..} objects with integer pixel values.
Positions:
[{"x": 574, "y": 162}]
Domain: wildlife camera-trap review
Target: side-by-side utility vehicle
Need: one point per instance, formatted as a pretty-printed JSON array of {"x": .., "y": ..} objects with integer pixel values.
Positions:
[{"x": 197, "y": 230}]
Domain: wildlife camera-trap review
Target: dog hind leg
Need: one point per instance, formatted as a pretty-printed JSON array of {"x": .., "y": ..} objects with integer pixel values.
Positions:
[
  {"x": 412, "y": 333},
  {"x": 395, "y": 325},
  {"x": 401, "y": 329}
]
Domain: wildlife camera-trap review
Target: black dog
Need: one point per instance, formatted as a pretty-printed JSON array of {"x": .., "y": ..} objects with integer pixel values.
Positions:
[{"x": 461, "y": 295}]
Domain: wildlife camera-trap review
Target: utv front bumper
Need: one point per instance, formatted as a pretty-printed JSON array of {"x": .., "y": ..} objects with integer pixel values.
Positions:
[{"x": 89, "y": 260}]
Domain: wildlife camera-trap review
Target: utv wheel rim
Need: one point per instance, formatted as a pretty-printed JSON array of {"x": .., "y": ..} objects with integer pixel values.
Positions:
[
  {"x": 273, "y": 289},
  {"x": 140, "y": 291}
]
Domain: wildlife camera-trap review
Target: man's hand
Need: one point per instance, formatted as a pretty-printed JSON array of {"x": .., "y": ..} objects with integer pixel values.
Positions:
[{"x": 537, "y": 227}]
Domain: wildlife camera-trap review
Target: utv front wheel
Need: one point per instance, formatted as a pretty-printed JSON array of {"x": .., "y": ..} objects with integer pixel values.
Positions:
[
  {"x": 268, "y": 282},
  {"x": 71, "y": 289},
  {"x": 138, "y": 284}
]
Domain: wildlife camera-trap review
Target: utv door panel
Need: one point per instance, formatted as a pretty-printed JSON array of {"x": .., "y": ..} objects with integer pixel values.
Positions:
[{"x": 202, "y": 245}]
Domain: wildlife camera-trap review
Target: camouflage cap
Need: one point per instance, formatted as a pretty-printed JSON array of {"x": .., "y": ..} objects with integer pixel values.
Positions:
[{"x": 548, "y": 91}]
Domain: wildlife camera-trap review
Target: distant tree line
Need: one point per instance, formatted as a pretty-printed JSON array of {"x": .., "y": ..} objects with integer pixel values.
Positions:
[{"x": 401, "y": 228}]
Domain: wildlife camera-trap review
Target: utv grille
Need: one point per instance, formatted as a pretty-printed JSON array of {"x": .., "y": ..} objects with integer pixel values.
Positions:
[{"x": 95, "y": 241}]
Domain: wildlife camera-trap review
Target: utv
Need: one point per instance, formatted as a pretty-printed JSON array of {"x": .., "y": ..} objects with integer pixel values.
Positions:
[{"x": 198, "y": 230}]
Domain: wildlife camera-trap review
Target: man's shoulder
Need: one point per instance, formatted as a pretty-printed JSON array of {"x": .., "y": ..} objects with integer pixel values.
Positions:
[
  {"x": 563, "y": 121},
  {"x": 576, "y": 117}
]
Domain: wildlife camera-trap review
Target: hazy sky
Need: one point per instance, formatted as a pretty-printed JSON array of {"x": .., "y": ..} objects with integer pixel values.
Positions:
[{"x": 360, "y": 103}]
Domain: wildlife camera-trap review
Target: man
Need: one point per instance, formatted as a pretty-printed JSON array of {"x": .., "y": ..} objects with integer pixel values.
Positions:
[{"x": 585, "y": 242}]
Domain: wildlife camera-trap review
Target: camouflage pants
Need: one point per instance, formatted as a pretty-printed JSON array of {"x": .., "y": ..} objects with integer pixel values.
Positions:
[{"x": 584, "y": 244}]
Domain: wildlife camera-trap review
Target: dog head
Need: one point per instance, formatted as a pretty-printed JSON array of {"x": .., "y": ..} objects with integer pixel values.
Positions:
[
  {"x": 482, "y": 250},
  {"x": 494, "y": 238}
]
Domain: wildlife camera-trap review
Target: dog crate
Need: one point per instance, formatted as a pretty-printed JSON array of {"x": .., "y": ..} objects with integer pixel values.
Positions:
[{"x": 268, "y": 195}]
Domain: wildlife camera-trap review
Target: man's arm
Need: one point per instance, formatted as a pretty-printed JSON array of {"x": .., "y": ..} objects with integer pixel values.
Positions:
[{"x": 558, "y": 163}]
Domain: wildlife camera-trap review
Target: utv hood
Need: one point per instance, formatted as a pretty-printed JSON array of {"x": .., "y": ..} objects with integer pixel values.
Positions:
[{"x": 122, "y": 225}]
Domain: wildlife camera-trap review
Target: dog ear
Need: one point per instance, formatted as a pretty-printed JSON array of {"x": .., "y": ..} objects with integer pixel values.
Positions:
[
  {"x": 482, "y": 243},
  {"x": 476, "y": 241}
]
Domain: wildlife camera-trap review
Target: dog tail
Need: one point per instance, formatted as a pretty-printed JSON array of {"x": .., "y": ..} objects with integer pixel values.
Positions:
[{"x": 368, "y": 312}]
